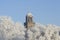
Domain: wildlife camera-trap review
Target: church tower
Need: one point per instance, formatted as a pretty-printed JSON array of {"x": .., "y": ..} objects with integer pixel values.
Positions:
[{"x": 29, "y": 21}]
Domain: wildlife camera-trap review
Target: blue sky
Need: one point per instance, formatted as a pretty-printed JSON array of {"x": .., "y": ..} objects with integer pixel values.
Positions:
[{"x": 44, "y": 11}]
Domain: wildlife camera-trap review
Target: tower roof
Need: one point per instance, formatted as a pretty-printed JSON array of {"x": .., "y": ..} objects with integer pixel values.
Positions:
[{"x": 29, "y": 14}]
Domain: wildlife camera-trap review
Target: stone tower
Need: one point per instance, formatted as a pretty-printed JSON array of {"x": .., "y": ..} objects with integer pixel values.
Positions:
[{"x": 29, "y": 21}]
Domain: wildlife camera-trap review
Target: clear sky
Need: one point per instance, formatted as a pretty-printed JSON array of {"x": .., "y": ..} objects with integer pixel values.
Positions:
[{"x": 44, "y": 11}]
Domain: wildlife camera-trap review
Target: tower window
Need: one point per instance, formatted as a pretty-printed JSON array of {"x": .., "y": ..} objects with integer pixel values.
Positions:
[{"x": 29, "y": 19}]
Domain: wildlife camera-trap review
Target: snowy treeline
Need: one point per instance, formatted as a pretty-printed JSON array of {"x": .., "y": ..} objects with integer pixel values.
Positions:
[{"x": 9, "y": 30}]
